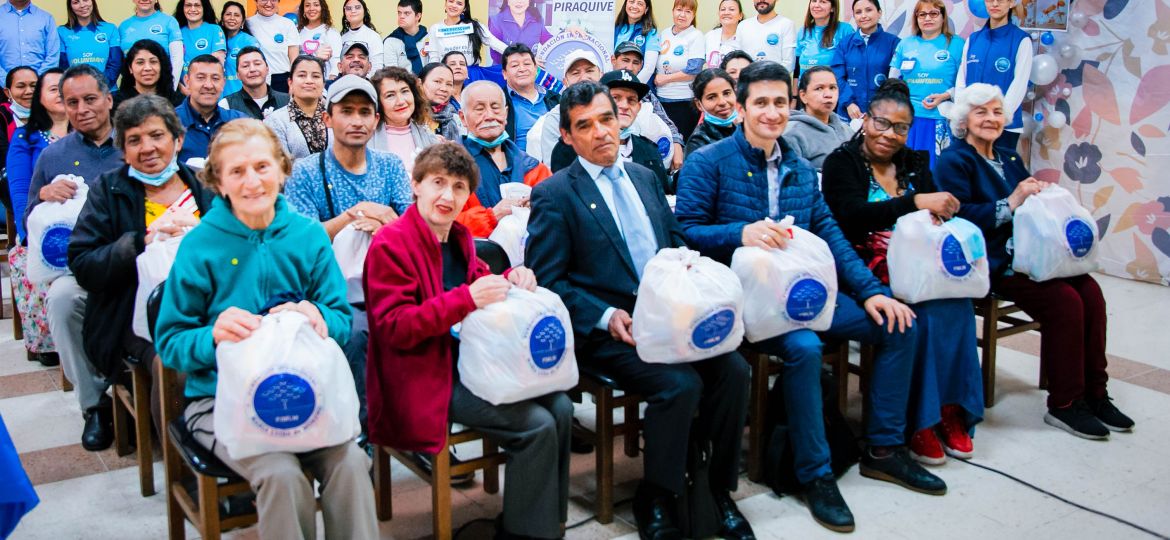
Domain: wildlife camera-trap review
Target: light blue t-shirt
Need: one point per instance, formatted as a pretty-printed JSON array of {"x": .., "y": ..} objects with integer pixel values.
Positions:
[
  {"x": 928, "y": 67},
  {"x": 89, "y": 44},
  {"x": 159, "y": 27},
  {"x": 649, "y": 42},
  {"x": 235, "y": 43},
  {"x": 809, "y": 51},
  {"x": 385, "y": 182},
  {"x": 206, "y": 39}
]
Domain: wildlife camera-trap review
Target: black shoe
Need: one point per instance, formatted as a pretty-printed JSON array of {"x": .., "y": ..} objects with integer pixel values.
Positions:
[
  {"x": 577, "y": 445},
  {"x": 654, "y": 513},
  {"x": 732, "y": 524},
  {"x": 47, "y": 359},
  {"x": 99, "y": 428},
  {"x": 827, "y": 505},
  {"x": 899, "y": 468},
  {"x": 1079, "y": 420},
  {"x": 1109, "y": 415},
  {"x": 424, "y": 461}
]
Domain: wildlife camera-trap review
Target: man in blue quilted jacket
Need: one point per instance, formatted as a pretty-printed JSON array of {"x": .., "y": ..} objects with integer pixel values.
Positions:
[{"x": 731, "y": 194}]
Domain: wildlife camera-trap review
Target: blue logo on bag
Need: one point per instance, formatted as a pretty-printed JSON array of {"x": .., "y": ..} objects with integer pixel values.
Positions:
[
  {"x": 712, "y": 330},
  {"x": 806, "y": 299},
  {"x": 55, "y": 246},
  {"x": 547, "y": 342},
  {"x": 1002, "y": 64},
  {"x": 773, "y": 39},
  {"x": 1079, "y": 236},
  {"x": 664, "y": 147},
  {"x": 953, "y": 260},
  {"x": 284, "y": 401}
]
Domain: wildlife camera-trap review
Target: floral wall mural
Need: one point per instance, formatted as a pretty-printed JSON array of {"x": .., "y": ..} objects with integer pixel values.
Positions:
[{"x": 1110, "y": 142}]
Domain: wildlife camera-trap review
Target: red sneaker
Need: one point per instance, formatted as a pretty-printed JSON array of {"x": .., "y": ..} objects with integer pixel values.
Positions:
[
  {"x": 955, "y": 440},
  {"x": 925, "y": 448}
]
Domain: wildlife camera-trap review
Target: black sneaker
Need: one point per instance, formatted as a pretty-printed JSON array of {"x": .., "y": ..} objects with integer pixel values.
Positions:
[
  {"x": 424, "y": 461},
  {"x": 827, "y": 505},
  {"x": 1079, "y": 420},
  {"x": 1110, "y": 416},
  {"x": 899, "y": 468}
]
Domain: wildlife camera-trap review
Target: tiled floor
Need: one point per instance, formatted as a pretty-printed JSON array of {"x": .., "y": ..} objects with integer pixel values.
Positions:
[{"x": 95, "y": 496}]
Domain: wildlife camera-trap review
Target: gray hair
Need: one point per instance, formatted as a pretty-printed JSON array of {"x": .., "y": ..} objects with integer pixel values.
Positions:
[
  {"x": 137, "y": 110},
  {"x": 975, "y": 95},
  {"x": 84, "y": 70},
  {"x": 477, "y": 84}
]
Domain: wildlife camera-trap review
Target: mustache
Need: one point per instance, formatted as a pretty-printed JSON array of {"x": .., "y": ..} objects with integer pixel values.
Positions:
[{"x": 490, "y": 124}]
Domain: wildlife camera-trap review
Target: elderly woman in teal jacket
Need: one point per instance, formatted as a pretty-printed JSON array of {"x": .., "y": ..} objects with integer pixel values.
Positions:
[{"x": 252, "y": 254}]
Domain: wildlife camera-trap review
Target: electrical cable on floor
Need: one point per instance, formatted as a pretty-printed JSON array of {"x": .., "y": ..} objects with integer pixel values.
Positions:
[
  {"x": 1064, "y": 500},
  {"x": 591, "y": 518}
]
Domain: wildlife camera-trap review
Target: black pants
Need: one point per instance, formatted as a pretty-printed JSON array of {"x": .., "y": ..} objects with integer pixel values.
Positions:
[
  {"x": 715, "y": 388},
  {"x": 683, "y": 114},
  {"x": 280, "y": 82}
]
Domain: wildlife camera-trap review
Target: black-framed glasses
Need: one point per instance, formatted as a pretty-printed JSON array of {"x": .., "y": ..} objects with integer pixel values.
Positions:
[{"x": 883, "y": 124}]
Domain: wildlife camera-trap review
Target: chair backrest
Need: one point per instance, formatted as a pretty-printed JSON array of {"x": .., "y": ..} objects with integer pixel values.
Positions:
[
  {"x": 153, "y": 304},
  {"x": 493, "y": 254}
]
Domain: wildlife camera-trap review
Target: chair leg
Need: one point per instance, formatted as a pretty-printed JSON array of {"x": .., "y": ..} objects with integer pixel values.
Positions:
[
  {"x": 382, "y": 488},
  {"x": 866, "y": 357},
  {"x": 142, "y": 430},
  {"x": 441, "y": 494},
  {"x": 121, "y": 423},
  {"x": 173, "y": 475},
  {"x": 66, "y": 386},
  {"x": 604, "y": 473},
  {"x": 491, "y": 474},
  {"x": 208, "y": 507},
  {"x": 631, "y": 433},
  {"x": 841, "y": 373},
  {"x": 17, "y": 328},
  {"x": 990, "y": 331},
  {"x": 758, "y": 399}
]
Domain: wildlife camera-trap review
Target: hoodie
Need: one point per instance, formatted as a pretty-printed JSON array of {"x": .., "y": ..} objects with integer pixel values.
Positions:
[
  {"x": 222, "y": 263},
  {"x": 813, "y": 139}
]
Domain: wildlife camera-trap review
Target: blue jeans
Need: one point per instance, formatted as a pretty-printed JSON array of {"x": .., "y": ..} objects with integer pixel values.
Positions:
[
  {"x": 355, "y": 355},
  {"x": 801, "y": 380}
]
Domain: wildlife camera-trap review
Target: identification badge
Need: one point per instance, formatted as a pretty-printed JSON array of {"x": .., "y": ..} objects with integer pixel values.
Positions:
[
  {"x": 907, "y": 65},
  {"x": 456, "y": 30}
]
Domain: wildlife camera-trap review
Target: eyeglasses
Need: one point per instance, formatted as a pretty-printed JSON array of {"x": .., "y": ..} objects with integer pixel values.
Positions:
[
  {"x": 929, "y": 14},
  {"x": 883, "y": 124}
]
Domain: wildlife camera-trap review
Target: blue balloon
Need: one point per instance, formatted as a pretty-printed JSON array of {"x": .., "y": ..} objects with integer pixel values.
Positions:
[
  {"x": 1047, "y": 38},
  {"x": 978, "y": 8},
  {"x": 1039, "y": 117}
]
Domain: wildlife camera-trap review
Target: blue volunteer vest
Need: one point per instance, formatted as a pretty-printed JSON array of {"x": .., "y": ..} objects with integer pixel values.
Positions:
[{"x": 991, "y": 59}]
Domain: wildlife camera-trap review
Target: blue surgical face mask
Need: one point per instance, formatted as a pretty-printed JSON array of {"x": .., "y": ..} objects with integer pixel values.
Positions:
[
  {"x": 492, "y": 144},
  {"x": 716, "y": 121},
  {"x": 625, "y": 133},
  {"x": 159, "y": 179},
  {"x": 20, "y": 110}
]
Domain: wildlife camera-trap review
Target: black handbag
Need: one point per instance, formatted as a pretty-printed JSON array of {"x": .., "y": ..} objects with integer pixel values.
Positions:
[{"x": 698, "y": 517}]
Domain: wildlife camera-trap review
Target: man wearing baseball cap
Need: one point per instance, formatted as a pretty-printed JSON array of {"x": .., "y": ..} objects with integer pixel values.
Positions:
[
  {"x": 355, "y": 59},
  {"x": 627, "y": 92},
  {"x": 350, "y": 184},
  {"x": 628, "y": 55}
]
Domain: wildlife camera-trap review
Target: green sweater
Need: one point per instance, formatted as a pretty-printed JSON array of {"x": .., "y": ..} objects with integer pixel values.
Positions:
[{"x": 222, "y": 263}]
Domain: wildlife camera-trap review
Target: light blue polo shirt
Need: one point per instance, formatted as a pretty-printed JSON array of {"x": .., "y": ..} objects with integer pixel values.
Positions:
[
  {"x": 158, "y": 27},
  {"x": 809, "y": 51},
  {"x": 89, "y": 44},
  {"x": 928, "y": 67},
  {"x": 527, "y": 112}
]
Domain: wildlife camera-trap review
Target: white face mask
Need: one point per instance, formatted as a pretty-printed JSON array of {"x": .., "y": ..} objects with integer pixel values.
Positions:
[{"x": 20, "y": 110}]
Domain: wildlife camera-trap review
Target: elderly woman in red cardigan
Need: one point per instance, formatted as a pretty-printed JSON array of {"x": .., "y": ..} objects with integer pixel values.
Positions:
[{"x": 422, "y": 277}]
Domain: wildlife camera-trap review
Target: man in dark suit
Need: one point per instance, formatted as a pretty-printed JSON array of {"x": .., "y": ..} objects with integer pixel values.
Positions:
[{"x": 593, "y": 227}]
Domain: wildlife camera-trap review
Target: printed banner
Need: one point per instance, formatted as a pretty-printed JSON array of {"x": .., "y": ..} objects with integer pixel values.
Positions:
[{"x": 554, "y": 28}]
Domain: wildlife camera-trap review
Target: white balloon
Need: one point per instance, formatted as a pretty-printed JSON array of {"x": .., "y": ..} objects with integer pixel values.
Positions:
[
  {"x": 1030, "y": 95},
  {"x": 1044, "y": 69},
  {"x": 1078, "y": 19},
  {"x": 1066, "y": 92},
  {"x": 944, "y": 108},
  {"x": 1057, "y": 119},
  {"x": 1070, "y": 55},
  {"x": 1029, "y": 124}
]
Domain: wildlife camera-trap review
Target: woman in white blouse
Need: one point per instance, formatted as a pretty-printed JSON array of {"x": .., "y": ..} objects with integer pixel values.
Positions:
[
  {"x": 459, "y": 31},
  {"x": 724, "y": 38},
  {"x": 318, "y": 37},
  {"x": 279, "y": 39},
  {"x": 359, "y": 29}
]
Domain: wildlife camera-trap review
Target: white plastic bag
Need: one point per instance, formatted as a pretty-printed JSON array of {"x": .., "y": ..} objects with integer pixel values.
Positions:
[
  {"x": 931, "y": 262},
  {"x": 787, "y": 289},
  {"x": 518, "y": 349},
  {"x": 1053, "y": 236},
  {"x": 50, "y": 225},
  {"x": 284, "y": 389},
  {"x": 154, "y": 265},
  {"x": 350, "y": 247},
  {"x": 689, "y": 308},
  {"x": 511, "y": 233}
]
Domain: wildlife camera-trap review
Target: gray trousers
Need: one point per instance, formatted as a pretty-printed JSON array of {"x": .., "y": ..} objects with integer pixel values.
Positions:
[
  {"x": 284, "y": 497},
  {"x": 66, "y": 309},
  {"x": 535, "y": 435}
]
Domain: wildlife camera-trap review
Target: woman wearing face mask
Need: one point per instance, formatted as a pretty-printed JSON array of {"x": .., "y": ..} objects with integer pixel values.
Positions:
[
  {"x": 238, "y": 36},
  {"x": 459, "y": 31},
  {"x": 437, "y": 82},
  {"x": 279, "y": 39},
  {"x": 724, "y": 38},
  {"x": 822, "y": 33},
  {"x": 300, "y": 125},
  {"x": 715, "y": 99},
  {"x": 145, "y": 24},
  {"x": 862, "y": 62},
  {"x": 403, "y": 130},
  {"x": 358, "y": 28},
  {"x": 318, "y": 37},
  {"x": 1005, "y": 60},
  {"x": 86, "y": 38},
  {"x": 869, "y": 183},
  {"x": 47, "y": 122},
  {"x": 147, "y": 70},
  {"x": 635, "y": 22},
  {"x": 201, "y": 32},
  {"x": 929, "y": 62},
  {"x": 817, "y": 130},
  {"x": 19, "y": 85}
]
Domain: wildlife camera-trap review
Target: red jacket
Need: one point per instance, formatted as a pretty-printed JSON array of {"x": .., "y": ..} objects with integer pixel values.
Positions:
[
  {"x": 480, "y": 219},
  {"x": 408, "y": 368}
]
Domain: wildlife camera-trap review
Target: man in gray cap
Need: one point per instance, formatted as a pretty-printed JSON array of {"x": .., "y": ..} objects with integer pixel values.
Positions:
[
  {"x": 350, "y": 184},
  {"x": 355, "y": 59}
]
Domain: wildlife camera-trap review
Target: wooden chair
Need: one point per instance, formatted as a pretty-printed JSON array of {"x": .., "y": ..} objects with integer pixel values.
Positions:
[
  {"x": 1000, "y": 320},
  {"x": 133, "y": 404},
  {"x": 603, "y": 388},
  {"x": 439, "y": 477}
]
